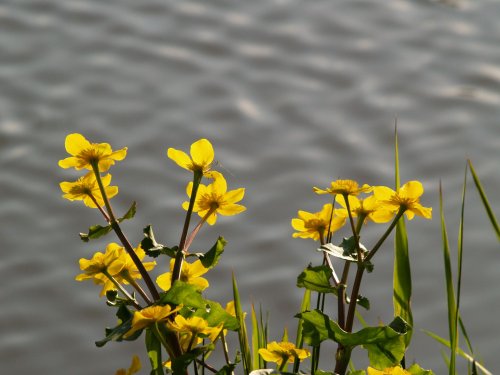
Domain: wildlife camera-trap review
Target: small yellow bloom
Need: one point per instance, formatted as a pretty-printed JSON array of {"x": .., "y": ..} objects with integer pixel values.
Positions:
[
  {"x": 193, "y": 326},
  {"x": 407, "y": 197},
  {"x": 134, "y": 368},
  {"x": 343, "y": 187},
  {"x": 316, "y": 224},
  {"x": 99, "y": 266},
  {"x": 148, "y": 316},
  {"x": 280, "y": 352},
  {"x": 397, "y": 370},
  {"x": 190, "y": 273},
  {"x": 215, "y": 199},
  {"x": 84, "y": 154},
  {"x": 86, "y": 187},
  {"x": 370, "y": 207},
  {"x": 202, "y": 156},
  {"x": 128, "y": 269}
]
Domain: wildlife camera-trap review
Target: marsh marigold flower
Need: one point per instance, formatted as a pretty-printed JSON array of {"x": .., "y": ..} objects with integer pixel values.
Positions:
[
  {"x": 280, "y": 352},
  {"x": 149, "y": 316},
  {"x": 84, "y": 154},
  {"x": 193, "y": 326},
  {"x": 100, "y": 266},
  {"x": 407, "y": 197},
  {"x": 370, "y": 208},
  {"x": 397, "y": 370},
  {"x": 343, "y": 187},
  {"x": 127, "y": 267},
  {"x": 202, "y": 156},
  {"x": 316, "y": 224},
  {"x": 134, "y": 368},
  {"x": 190, "y": 273},
  {"x": 214, "y": 199},
  {"x": 86, "y": 188}
]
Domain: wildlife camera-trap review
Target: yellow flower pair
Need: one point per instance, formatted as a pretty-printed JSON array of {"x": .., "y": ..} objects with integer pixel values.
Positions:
[{"x": 211, "y": 200}]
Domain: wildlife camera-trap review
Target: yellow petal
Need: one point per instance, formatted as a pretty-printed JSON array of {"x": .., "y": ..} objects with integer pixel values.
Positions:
[
  {"x": 199, "y": 282},
  {"x": 412, "y": 189},
  {"x": 202, "y": 153},
  {"x": 119, "y": 154},
  {"x": 231, "y": 209},
  {"x": 69, "y": 162},
  {"x": 180, "y": 158},
  {"x": 164, "y": 281},
  {"x": 234, "y": 196},
  {"x": 298, "y": 224},
  {"x": 196, "y": 269},
  {"x": 75, "y": 143}
]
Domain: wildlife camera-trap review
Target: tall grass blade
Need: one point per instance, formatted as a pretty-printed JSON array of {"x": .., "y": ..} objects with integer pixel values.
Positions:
[
  {"x": 402, "y": 272},
  {"x": 299, "y": 341},
  {"x": 242, "y": 331},
  {"x": 255, "y": 340},
  {"x": 450, "y": 293},
  {"x": 486, "y": 204},
  {"x": 459, "y": 351}
]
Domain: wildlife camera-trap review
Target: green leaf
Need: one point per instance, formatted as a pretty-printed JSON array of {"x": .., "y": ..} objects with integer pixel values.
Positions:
[
  {"x": 484, "y": 199},
  {"x": 211, "y": 257},
  {"x": 415, "y": 369},
  {"x": 182, "y": 293},
  {"x": 129, "y": 214},
  {"x": 153, "y": 248},
  {"x": 116, "y": 333},
  {"x": 227, "y": 369},
  {"x": 95, "y": 231},
  {"x": 385, "y": 344},
  {"x": 153, "y": 347},
  {"x": 316, "y": 279}
]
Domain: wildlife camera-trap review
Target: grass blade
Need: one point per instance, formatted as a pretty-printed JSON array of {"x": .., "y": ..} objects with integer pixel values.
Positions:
[
  {"x": 402, "y": 272},
  {"x": 450, "y": 293},
  {"x": 486, "y": 204},
  {"x": 242, "y": 331},
  {"x": 459, "y": 351},
  {"x": 299, "y": 342},
  {"x": 255, "y": 340}
]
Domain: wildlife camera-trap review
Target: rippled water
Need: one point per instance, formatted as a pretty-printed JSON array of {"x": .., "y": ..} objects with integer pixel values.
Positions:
[{"x": 292, "y": 94}]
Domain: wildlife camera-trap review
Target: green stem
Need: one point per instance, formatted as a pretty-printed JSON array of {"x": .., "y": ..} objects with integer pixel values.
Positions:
[
  {"x": 125, "y": 242},
  {"x": 179, "y": 258},
  {"x": 122, "y": 289},
  {"x": 361, "y": 268},
  {"x": 136, "y": 286}
]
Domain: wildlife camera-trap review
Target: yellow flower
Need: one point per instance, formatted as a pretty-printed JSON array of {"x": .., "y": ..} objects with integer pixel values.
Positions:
[
  {"x": 85, "y": 153},
  {"x": 316, "y": 224},
  {"x": 148, "y": 316},
  {"x": 407, "y": 197},
  {"x": 128, "y": 269},
  {"x": 99, "y": 266},
  {"x": 133, "y": 369},
  {"x": 193, "y": 327},
  {"x": 190, "y": 273},
  {"x": 215, "y": 199},
  {"x": 202, "y": 156},
  {"x": 280, "y": 352},
  {"x": 370, "y": 207},
  {"x": 397, "y": 370},
  {"x": 343, "y": 187},
  {"x": 86, "y": 187}
]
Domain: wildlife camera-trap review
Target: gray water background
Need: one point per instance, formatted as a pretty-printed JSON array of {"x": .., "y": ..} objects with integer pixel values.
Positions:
[{"x": 292, "y": 94}]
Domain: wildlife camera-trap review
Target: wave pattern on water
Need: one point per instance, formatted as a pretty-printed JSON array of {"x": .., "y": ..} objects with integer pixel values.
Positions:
[{"x": 292, "y": 94}]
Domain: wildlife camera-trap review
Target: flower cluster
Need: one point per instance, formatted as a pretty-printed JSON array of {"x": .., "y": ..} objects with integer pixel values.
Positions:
[{"x": 380, "y": 207}]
